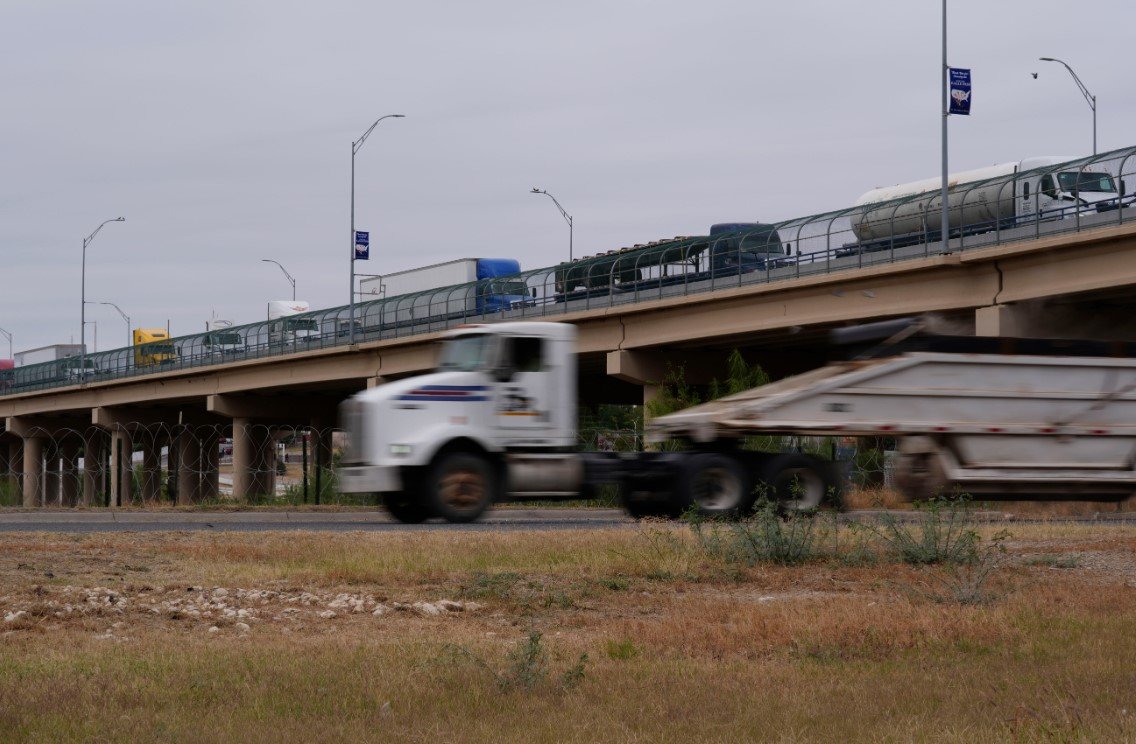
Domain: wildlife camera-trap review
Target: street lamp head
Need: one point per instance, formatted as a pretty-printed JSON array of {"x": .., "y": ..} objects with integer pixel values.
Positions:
[
  {"x": 119, "y": 219},
  {"x": 536, "y": 190},
  {"x": 1047, "y": 59},
  {"x": 398, "y": 116}
]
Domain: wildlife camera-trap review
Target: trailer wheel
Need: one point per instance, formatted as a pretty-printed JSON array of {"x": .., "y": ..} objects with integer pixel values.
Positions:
[
  {"x": 800, "y": 482},
  {"x": 406, "y": 508},
  {"x": 717, "y": 485},
  {"x": 460, "y": 487},
  {"x": 640, "y": 504}
]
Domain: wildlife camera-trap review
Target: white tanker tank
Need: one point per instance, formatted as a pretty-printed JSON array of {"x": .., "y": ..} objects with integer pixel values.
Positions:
[{"x": 999, "y": 195}]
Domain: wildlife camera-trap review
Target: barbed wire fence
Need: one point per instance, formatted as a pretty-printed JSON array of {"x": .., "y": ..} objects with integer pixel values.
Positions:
[{"x": 149, "y": 465}]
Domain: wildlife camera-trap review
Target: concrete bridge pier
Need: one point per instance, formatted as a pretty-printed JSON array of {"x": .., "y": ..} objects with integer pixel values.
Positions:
[
  {"x": 189, "y": 470},
  {"x": 33, "y": 470},
  {"x": 15, "y": 464},
  {"x": 121, "y": 466},
  {"x": 254, "y": 460},
  {"x": 94, "y": 468}
]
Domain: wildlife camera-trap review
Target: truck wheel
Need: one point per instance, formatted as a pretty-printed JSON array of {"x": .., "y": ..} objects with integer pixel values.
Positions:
[
  {"x": 405, "y": 508},
  {"x": 641, "y": 504},
  {"x": 460, "y": 487},
  {"x": 717, "y": 485},
  {"x": 800, "y": 482}
]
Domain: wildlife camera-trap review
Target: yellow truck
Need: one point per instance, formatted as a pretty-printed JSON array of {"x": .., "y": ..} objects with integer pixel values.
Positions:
[{"x": 153, "y": 348}]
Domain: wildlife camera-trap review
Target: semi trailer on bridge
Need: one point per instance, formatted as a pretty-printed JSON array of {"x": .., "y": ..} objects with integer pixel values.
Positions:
[
  {"x": 730, "y": 249},
  {"x": 460, "y": 288},
  {"x": 289, "y": 324},
  {"x": 497, "y": 421},
  {"x": 997, "y": 197}
]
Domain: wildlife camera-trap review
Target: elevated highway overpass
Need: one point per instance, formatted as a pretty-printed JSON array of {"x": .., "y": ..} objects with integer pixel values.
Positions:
[{"x": 1065, "y": 285}]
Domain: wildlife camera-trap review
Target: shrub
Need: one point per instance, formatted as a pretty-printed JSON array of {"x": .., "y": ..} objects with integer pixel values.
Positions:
[{"x": 765, "y": 536}]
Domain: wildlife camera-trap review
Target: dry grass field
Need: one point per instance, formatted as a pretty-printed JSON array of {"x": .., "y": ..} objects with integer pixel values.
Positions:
[{"x": 641, "y": 634}]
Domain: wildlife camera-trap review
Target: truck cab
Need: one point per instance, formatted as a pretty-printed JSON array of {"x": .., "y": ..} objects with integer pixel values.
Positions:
[
  {"x": 153, "y": 348},
  {"x": 1047, "y": 192},
  {"x": 437, "y": 444}
]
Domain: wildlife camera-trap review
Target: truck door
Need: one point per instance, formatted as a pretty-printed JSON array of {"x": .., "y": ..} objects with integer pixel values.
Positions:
[
  {"x": 525, "y": 401},
  {"x": 1027, "y": 196}
]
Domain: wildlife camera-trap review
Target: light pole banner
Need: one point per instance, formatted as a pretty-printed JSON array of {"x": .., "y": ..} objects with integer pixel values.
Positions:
[
  {"x": 960, "y": 91},
  {"x": 362, "y": 245}
]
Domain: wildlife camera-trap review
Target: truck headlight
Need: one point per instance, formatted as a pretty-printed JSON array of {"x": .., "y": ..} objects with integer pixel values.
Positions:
[{"x": 399, "y": 450}]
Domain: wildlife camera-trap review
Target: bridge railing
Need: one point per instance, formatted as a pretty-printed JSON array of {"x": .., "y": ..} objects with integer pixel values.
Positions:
[{"x": 1025, "y": 205}]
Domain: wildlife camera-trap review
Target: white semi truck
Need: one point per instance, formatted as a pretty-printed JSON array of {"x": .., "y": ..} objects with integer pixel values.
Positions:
[
  {"x": 461, "y": 288},
  {"x": 497, "y": 420},
  {"x": 288, "y": 324},
  {"x": 980, "y": 200}
]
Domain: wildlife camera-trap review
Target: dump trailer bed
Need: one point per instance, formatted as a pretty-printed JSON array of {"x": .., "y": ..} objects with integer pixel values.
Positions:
[{"x": 992, "y": 424}]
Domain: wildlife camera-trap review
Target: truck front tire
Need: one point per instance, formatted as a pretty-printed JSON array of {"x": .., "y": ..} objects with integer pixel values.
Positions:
[
  {"x": 406, "y": 507},
  {"x": 460, "y": 487}
]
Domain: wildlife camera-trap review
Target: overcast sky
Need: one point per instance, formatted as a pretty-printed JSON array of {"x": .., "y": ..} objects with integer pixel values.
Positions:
[{"x": 222, "y": 132}]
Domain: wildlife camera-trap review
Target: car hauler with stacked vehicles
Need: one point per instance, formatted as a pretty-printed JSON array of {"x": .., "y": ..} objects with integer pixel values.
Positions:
[{"x": 497, "y": 421}]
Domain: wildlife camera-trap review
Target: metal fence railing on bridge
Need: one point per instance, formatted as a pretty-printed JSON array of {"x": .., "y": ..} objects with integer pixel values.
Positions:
[{"x": 1023, "y": 201}]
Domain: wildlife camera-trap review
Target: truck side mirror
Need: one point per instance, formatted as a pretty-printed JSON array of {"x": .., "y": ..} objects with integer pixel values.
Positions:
[
  {"x": 534, "y": 292},
  {"x": 1123, "y": 187},
  {"x": 503, "y": 374}
]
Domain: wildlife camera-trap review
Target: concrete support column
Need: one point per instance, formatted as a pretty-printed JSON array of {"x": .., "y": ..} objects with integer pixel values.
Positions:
[
  {"x": 33, "y": 471},
  {"x": 51, "y": 473},
  {"x": 152, "y": 469},
  {"x": 121, "y": 466},
  {"x": 188, "y": 466},
  {"x": 244, "y": 458},
  {"x": 1000, "y": 320},
  {"x": 69, "y": 472},
  {"x": 211, "y": 465},
  {"x": 15, "y": 466},
  {"x": 94, "y": 461}
]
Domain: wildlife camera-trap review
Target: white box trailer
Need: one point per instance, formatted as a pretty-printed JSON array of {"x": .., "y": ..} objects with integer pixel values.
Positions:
[
  {"x": 982, "y": 423},
  {"x": 462, "y": 288},
  {"x": 51, "y": 353}
]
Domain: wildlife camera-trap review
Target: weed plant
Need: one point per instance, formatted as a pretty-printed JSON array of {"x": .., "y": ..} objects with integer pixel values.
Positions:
[
  {"x": 943, "y": 532},
  {"x": 765, "y": 536},
  {"x": 526, "y": 668}
]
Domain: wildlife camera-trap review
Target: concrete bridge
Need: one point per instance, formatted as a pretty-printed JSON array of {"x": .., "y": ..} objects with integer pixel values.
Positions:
[{"x": 1077, "y": 285}]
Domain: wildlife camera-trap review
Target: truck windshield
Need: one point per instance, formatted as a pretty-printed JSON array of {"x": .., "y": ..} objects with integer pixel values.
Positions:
[
  {"x": 302, "y": 324},
  {"x": 1072, "y": 181},
  {"x": 507, "y": 288},
  {"x": 466, "y": 353}
]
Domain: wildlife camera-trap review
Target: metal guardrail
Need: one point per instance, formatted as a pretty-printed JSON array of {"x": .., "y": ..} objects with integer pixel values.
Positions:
[{"x": 982, "y": 213}]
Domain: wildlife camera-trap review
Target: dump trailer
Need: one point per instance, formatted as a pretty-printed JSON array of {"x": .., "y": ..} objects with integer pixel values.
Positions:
[{"x": 989, "y": 417}]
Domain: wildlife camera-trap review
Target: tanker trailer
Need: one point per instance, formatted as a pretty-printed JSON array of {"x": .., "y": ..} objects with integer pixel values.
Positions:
[{"x": 996, "y": 197}]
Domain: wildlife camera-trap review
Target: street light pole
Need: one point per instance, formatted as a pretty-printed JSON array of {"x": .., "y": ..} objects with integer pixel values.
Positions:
[
  {"x": 83, "y": 300},
  {"x": 945, "y": 187},
  {"x": 9, "y": 337},
  {"x": 1089, "y": 97},
  {"x": 355, "y": 147},
  {"x": 563, "y": 213},
  {"x": 269, "y": 260},
  {"x": 129, "y": 340}
]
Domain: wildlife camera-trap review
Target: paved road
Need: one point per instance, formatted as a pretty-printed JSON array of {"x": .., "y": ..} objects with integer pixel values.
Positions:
[
  {"x": 499, "y": 520},
  {"x": 372, "y": 521}
]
